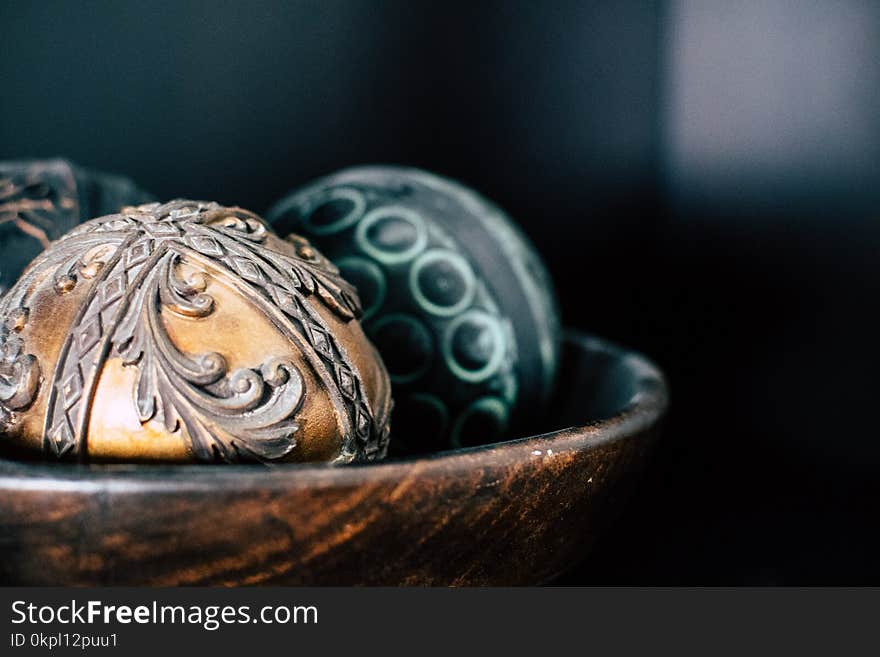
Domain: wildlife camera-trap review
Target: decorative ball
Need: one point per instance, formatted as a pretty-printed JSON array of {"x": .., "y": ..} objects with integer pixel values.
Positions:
[
  {"x": 183, "y": 332},
  {"x": 455, "y": 298},
  {"x": 40, "y": 200}
]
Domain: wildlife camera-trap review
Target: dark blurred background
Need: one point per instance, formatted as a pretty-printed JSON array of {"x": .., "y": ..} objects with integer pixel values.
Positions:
[{"x": 702, "y": 176}]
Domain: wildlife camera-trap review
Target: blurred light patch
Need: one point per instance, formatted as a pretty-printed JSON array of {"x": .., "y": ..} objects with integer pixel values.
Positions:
[{"x": 772, "y": 101}]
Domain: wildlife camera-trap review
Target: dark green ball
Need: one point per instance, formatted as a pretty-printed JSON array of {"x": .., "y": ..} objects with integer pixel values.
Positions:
[{"x": 455, "y": 299}]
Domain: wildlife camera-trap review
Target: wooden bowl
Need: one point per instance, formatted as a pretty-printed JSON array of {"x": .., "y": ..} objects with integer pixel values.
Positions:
[{"x": 518, "y": 512}]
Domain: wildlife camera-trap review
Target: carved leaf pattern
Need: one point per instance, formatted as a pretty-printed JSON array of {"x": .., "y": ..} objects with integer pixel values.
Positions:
[
  {"x": 245, "y": 414},
  {"x": 19, "y": 372}
]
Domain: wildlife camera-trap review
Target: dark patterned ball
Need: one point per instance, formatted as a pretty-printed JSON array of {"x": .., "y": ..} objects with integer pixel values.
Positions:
[
  {"x": 40, "y": 200},
  {"x": 455, "y": 298}
]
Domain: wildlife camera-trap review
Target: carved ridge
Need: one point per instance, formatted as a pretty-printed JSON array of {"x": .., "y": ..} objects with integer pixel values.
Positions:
[{"x": 132, "y": 263}]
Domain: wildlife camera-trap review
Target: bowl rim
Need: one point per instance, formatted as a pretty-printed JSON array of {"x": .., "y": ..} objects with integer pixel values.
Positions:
[{"x": 645, "y": 408}]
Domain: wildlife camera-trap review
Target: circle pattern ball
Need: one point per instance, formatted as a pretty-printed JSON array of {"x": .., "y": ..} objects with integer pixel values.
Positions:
[{"x": 449, "y": 345}]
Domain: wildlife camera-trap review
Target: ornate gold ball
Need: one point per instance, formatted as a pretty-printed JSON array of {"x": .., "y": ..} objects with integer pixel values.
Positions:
[{"x": 188, "y": 331}]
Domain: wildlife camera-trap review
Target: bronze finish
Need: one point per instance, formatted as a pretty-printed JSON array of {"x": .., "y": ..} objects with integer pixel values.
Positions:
[
  {"x": 188, "y": 331},
  {"x": 512, "y": 513}
]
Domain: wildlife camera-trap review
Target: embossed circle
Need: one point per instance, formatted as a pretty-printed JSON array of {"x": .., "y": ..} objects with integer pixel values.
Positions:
[
  {"x": 369, "y": 280},
  {"x": 406, "y": 345},
  {"x": 392, "y": 235},
  {"x": 484, "y": 421},
  {"x": 442, "y": 282},
  {"x": 336, "y": 210},
  {"x": 473, "y": 346}
]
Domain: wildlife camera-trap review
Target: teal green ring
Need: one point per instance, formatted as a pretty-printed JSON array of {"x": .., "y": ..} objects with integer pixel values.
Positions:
[
  {"x": 474, "y": 376},
  {"x": 492, "y": 405},
  {"x": 340, "y": 224},
  {"x": 390, "y": 257},
  {"x": 434, "y": 255}
]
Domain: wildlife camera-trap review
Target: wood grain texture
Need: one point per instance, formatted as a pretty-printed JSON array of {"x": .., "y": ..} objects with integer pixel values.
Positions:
[{"x": 513, "y": 513}]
